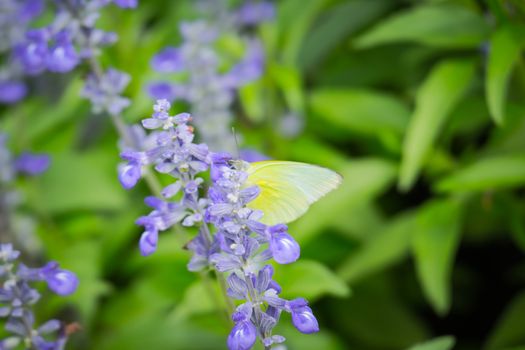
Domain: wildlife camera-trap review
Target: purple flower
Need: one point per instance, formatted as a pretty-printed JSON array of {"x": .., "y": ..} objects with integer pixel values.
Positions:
[
  {"x": 30, "y": 9},
  {"x": 244, "y": 334},
  {"x": 62, "y": 57},
  {"x": 105, "y": 93},
  {"x": 32, "y": 54},
  {"x": 12, "y": 91},
  {"x": 165, "y": 91},
  {"x": 284, "y": 248},
  {"x": 32, "y": 164},
  {"x": 62, "y": 282},
  {"x": 168, "y": 60},
  {"x": 304, "y": 320},
  {"x": 126, "y": 3},
  {"x": 129, "y": 174},
  {"x": 148, "y": 242},
  {"x": 251, "y": 13},
  {"x": 7, "y": 253}
]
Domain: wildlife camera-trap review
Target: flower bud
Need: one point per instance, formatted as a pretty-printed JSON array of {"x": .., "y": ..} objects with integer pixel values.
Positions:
[{"x": 242, "y": 336}]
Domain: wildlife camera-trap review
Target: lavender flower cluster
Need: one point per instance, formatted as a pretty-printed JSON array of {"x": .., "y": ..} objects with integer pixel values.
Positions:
[
  {"x": 241, "y": 245},
  {"x": 209, "y": 91},
  {"x": 59, "y": 47},
  {"x": 17, "y": 298}
]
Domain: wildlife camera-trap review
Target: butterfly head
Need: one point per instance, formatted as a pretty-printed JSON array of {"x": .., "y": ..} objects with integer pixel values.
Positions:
[{"x": 238, "y": 164}]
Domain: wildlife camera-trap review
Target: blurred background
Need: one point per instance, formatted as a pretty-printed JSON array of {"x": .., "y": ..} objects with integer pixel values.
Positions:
[{"x": 418, "y": 104}]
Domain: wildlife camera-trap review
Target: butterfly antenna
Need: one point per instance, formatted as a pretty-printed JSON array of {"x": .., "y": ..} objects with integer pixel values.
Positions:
[{"x": 236, "y": 143}]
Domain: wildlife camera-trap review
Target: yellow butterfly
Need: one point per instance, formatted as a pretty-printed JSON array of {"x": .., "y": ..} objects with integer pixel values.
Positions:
[{"x": 288, "y": 188}]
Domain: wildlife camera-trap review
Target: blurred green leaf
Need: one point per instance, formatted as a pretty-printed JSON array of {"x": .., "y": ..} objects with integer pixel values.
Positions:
[
  {"x": 198, "y": 298},
  {"x": 376, "y": 317},
  {"x": 435, "y": 241},
  {"x": 288, "y": 79},
  {"x": 294, "y": 20},
  {"x": 442, "y": 25},
  {"x": 486, "y": 174},
  {"x": 363, "y": 111},
  {"x": 509, "y": 328},
  {"x": 337, "y": 23},
  {"x": 505, "y": 46},
  {"x": 68, "y": 184},
  {"x": 363, "y": 180},
  {"x": 438, "y": 95},
  {"x": 384, "y": 249},
  {"x": 310, "y": 280},
  {"x": 84, "y": 259},
  {"x": 441, "y": 343},
  {"x": 297, "y": 341},
  {"x": 49, "y": 119}
]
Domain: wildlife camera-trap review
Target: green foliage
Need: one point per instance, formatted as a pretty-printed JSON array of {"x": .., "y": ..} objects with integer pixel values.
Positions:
[
  {"x": 438, "y": 95},
  {"x": 441, "y": 343},
  {"x": 435, "y": 241},
  {"x": 442, "y": 25}
]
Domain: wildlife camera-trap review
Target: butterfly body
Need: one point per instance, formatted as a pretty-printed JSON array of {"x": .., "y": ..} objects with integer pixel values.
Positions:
[{"x": 288, "y": 188}]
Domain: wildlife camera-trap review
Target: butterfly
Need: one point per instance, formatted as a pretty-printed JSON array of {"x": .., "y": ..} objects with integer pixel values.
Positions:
[{"x": 288, "y": 188}]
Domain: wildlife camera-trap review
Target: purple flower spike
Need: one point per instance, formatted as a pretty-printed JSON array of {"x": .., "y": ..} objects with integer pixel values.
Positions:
[
  {"x": 32, "y": 164},
  {"x": 12, "y": 91},
  {"x": 62, "y": 282},
  {"x": 304, "y": 320},
  {"x": 284, "y": 248},
  {"x": 242, "y": 336},
  {"x": 148, "y": 242}
]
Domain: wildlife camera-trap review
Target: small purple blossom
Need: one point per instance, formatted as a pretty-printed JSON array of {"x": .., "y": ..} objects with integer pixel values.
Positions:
[
  {"x": 62, "y": 57},
  {"x": 251, "y": 12},
  {"x": 105, "y": 92},
  {"x": 126, "y": 3},
  {"x": 32, "y": 164},
  {"x": 12, "y": 91}
]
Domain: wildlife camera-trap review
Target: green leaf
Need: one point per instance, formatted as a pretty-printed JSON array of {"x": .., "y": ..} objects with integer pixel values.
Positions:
[
  {"x": 77, "y": 181},
  {"x": 384, "y": 249},
  {"x": 436, "y": 98},
  {"x": 289, "y": 80},
  {"x": 337, "y": 23},
  {"x": 505, "y": 47},
  {"x": 377, "y": 317},
  {"x": 84, "y": 259},
  {"x": 496, "y": 172},
  {"x": 197, "y": 300},
  {"x": 323, "y": 339},
  {"x": 363, "y": 111},
  {"x": 310, "y": 280},
  {"x": 363, "y": 180},
  {"x": 294, "y": 20},
  {"x": 441, "y": 25},
  {"x": 509, "y": 328},
  {"x": 441, "y": 343},
  {"x": 435, "y": 241}
]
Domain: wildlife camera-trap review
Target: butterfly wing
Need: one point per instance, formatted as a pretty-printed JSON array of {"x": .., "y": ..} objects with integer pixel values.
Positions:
[{"x": 288, "y": 188}]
